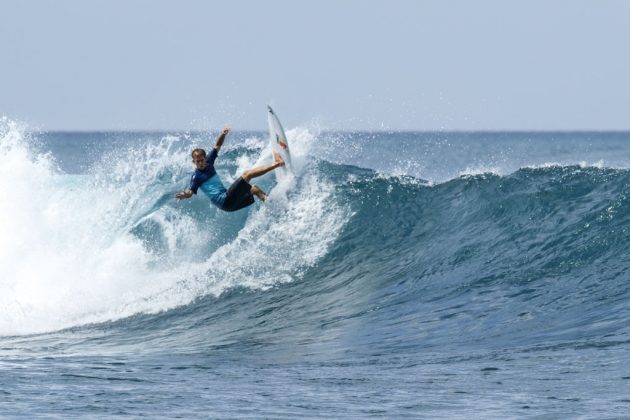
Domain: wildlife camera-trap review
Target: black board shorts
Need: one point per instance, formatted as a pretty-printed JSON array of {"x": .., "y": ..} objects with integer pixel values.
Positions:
[{"x": 238, "y": 196}]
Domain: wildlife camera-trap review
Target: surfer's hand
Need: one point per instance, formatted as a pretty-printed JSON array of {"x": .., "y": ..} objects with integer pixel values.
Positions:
[
  {"x": 221, "y": 137},
  {"x": 182, "y": 195}
]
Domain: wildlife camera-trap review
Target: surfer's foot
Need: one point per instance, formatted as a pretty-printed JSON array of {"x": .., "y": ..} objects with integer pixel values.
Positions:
[
  {"x": 258, "y": 193},
  {"x": 277, "y": 159}
]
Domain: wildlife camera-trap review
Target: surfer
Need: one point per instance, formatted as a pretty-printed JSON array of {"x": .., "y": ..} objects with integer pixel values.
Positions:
[{"x": 240, "y": 194}]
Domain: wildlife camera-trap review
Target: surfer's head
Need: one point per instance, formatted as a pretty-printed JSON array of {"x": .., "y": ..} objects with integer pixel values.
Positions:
[{"x": 199, "y": 158}]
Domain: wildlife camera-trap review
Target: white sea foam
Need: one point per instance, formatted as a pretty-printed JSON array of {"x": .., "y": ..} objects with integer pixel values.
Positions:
[
  {"x": 289, "y": 233},
  {"x": 482, "y": 169},
  {"x": 69, "y": 255}
]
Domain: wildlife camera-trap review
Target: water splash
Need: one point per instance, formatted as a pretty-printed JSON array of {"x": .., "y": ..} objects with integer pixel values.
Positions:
[{"x": 112, "y": 242}]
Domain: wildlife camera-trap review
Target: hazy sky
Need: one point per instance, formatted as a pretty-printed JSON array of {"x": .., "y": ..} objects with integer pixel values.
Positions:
[{"x": 337, "y": 64}]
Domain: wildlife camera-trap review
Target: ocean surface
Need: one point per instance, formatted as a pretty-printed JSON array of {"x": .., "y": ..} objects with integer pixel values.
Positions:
[{"x": 394, "y": 275}]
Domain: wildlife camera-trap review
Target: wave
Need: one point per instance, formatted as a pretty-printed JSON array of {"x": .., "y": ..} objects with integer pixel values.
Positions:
[
  {"x": 503, "y": 259},
  {"x": 112, "y": 242},
  {"x": 341, "y": 258}
]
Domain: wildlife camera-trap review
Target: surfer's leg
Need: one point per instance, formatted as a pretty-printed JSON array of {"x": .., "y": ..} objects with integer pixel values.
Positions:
[
  {"x": 238, "y": 195},
  {"x": 258, "y": 192},
  {"x": 261, "y": 170}
]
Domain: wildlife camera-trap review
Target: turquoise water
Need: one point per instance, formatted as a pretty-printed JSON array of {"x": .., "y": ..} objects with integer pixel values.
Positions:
[{"x": 451, "y": 275}]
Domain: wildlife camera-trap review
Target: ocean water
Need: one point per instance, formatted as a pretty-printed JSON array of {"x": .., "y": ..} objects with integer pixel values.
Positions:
[{"x": 403, "y": 274}]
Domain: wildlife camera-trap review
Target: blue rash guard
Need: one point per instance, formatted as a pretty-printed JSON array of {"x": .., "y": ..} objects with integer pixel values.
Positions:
[{"x": 209, "y": 181}]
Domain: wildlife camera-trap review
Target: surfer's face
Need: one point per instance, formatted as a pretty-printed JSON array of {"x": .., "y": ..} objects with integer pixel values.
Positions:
[{"x": 200, "y": 162}]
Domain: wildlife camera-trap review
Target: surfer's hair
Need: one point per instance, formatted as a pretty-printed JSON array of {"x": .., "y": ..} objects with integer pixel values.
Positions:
[{"x": 198, "y": 152}]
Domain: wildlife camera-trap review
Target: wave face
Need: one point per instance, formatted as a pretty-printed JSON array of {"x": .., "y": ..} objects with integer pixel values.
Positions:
[
  {"x": 344, "y": 263},
  {"x": 534, "y": 257}
]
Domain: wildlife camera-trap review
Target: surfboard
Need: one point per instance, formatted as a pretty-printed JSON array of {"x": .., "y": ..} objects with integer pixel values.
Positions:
[{"x": 277, "y": 137}]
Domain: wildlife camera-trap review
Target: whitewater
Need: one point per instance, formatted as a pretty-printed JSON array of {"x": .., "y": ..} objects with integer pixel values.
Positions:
[{"x": 397, "y": 274}]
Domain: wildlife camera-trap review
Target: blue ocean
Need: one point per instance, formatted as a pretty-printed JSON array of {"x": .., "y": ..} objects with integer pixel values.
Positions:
[{"x": 393, "y": 275}]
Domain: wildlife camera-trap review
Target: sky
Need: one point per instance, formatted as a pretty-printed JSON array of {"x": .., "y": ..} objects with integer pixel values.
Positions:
[{"x": 333, "y": 64}]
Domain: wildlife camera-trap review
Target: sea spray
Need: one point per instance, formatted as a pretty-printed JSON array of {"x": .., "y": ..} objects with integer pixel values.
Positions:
[{"x": 112, "y": 242}]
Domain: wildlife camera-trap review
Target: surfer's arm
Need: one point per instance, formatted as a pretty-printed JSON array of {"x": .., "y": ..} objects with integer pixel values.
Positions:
[
  {"x": 184, "y": 194},
  {"x": 221, "y": 138}
]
